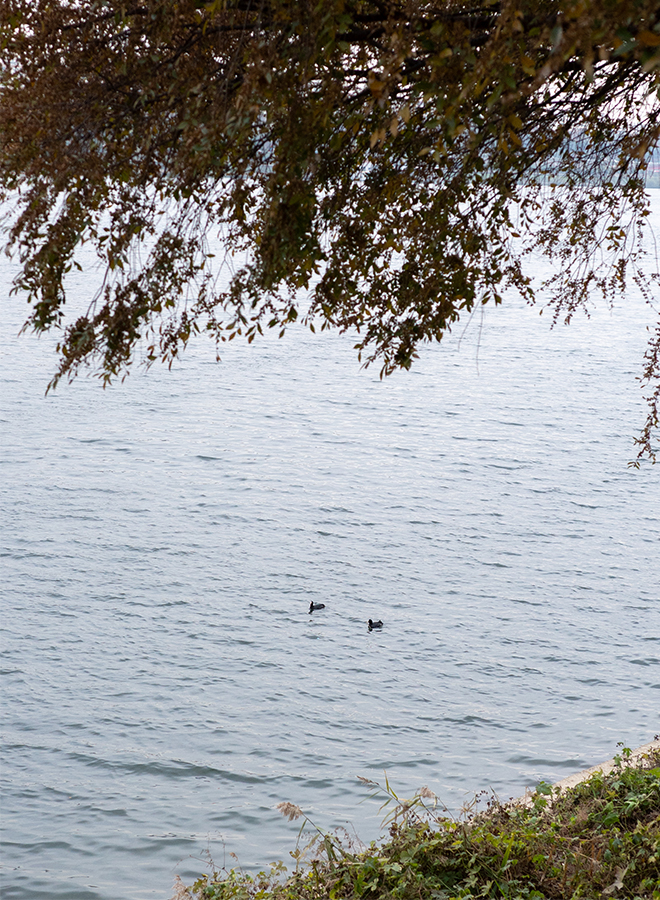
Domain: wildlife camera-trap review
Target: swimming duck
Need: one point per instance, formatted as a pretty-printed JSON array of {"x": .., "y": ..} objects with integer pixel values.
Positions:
[
  {"x": 313, "y": 606},
  {"x": 373, "y": 625}
]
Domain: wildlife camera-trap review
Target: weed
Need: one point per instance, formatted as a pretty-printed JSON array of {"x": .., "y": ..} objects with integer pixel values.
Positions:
[{"x": 599, "y": 840}]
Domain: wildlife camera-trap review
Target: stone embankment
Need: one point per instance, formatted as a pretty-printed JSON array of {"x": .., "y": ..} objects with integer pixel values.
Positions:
[{"x": 605, "y": 768}]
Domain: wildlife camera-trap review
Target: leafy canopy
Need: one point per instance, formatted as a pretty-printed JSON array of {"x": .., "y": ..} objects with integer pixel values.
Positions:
[{"x": 391, "y": 162}]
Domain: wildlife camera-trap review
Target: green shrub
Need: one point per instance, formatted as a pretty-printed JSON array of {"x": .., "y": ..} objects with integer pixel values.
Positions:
[{"x": 600, "y": 839}]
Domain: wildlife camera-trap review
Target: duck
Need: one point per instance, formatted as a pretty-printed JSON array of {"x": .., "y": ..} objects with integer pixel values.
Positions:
[
  {"x": 373, "y": 625},
  {"x": 314, "y": 606}
]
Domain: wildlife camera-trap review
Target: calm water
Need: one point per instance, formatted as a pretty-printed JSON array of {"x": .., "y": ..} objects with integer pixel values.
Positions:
[{"x": 164, "y": 685}]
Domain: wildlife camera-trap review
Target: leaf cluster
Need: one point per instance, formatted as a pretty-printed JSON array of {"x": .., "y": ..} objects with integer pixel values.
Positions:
[{"x": 377, "y": 167}]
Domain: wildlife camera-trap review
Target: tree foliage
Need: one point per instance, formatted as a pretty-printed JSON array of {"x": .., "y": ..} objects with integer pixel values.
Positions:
[{"x": 380, "y": 166}]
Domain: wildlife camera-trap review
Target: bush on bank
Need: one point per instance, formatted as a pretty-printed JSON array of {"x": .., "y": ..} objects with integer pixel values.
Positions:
[{"x": 600, "y": 839}]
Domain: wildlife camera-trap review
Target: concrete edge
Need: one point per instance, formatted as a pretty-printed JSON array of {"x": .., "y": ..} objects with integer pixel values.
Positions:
[{"x": 605, "y": 767}]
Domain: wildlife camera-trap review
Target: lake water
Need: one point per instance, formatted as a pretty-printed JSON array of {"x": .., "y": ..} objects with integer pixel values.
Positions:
[{"x": 164, "y": 684}]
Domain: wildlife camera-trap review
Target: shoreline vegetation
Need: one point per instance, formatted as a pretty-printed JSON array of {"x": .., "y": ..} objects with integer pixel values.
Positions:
[{"x": 594, "y": 835}]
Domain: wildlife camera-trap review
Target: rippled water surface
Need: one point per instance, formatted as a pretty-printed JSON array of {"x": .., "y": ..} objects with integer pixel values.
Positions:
[{"x": 164, "y": 684}]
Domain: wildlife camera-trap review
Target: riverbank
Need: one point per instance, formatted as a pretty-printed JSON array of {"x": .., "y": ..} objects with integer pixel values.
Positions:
[
  {"x": 594, "y": 835},
  {"x": 633, "y": 758},
  {"x": 636, "y": 757}
]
